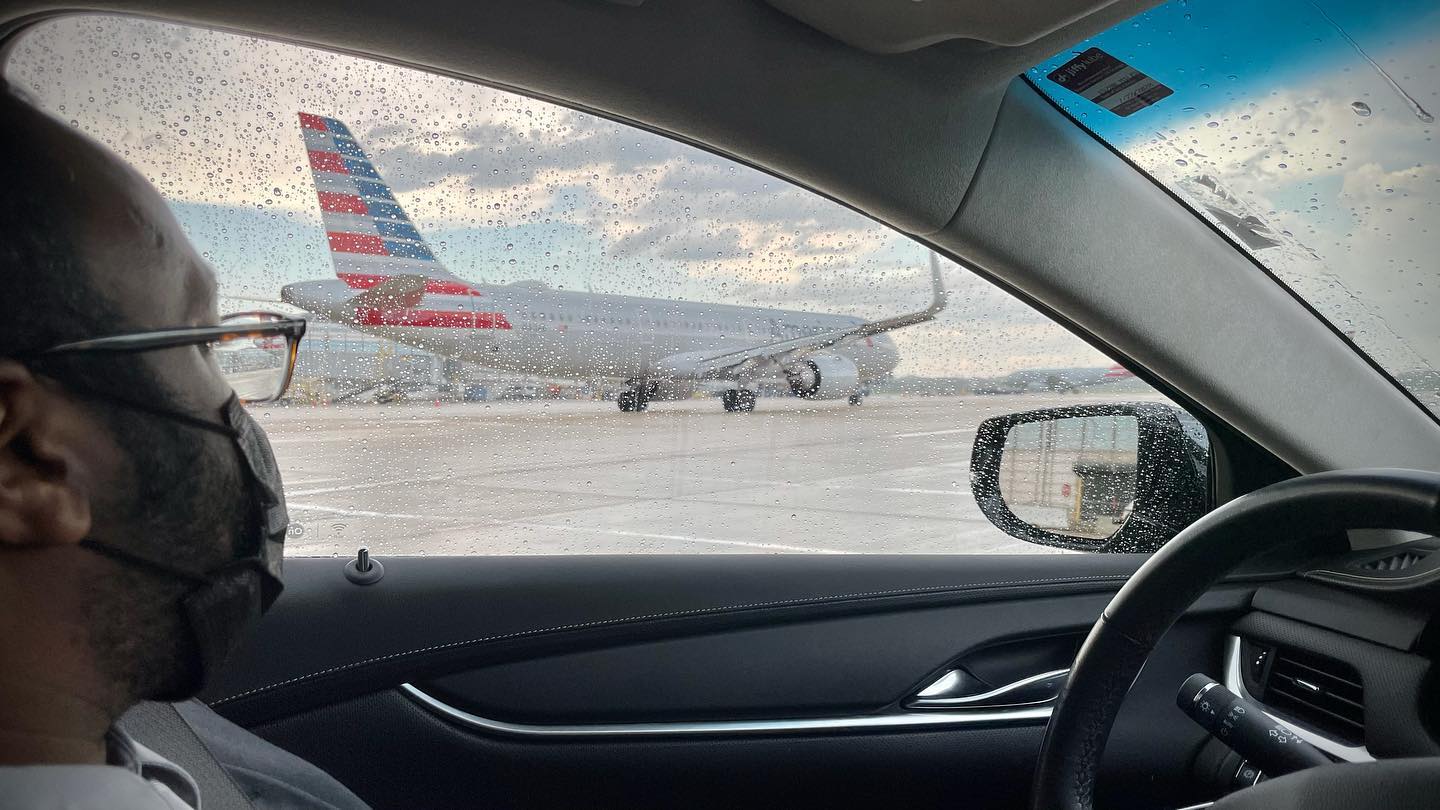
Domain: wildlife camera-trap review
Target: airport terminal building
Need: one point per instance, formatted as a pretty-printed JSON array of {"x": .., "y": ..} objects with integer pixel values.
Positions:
[{"x": 339, "y": 364}]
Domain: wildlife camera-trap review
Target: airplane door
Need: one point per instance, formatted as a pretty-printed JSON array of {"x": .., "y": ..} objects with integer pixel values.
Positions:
[
  {"x": 492, "y": 341},
  {"x": 479, "y": 343},
  {"x": 646, "y": 339}
]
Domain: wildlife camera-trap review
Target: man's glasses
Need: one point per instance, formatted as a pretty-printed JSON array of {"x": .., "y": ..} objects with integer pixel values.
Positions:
[{"x": 255, "y": 350}]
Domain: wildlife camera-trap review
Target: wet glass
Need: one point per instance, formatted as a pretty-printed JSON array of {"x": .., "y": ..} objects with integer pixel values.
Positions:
[
  {"x": 1305, "y": 130},
  {"x": 496, "y": 286},
  {"x": 1074, "y": 477}
]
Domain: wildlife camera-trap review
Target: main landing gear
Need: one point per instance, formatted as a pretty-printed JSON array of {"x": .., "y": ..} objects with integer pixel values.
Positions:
[
  {"x": 637, "y": 398},
  {"x": 738, "y": 400}
]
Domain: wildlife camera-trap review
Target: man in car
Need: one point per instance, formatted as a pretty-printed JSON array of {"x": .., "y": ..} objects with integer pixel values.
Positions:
[{"x": 141, "y": 513}]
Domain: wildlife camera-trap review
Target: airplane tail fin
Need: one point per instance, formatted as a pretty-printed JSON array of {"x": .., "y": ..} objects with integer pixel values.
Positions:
[{"x": 372, "y": 240}]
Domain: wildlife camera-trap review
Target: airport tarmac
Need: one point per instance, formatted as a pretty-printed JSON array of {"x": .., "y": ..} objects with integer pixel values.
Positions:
[{"x": 564, "y": 477}]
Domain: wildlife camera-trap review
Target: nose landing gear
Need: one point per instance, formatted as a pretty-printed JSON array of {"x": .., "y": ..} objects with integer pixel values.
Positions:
[{"x": 738, "y": 400}]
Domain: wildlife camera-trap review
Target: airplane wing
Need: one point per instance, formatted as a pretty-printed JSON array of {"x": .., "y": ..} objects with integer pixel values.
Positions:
[{"x": 705, "y": 365}]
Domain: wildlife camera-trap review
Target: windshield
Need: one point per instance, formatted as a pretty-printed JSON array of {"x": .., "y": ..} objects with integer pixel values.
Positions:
[{"x": 1306, "y": 131}]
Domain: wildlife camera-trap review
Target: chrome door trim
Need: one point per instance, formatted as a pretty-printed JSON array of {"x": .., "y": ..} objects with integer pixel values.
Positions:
[
  {"x": 1335, "y": 748},
  {"x": 1035, "y": 690},
  {"x": 1030, "y": 715}
]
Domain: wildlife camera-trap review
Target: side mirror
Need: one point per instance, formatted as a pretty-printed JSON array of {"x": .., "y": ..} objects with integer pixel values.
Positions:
[{"x": 1116, "y": 478}]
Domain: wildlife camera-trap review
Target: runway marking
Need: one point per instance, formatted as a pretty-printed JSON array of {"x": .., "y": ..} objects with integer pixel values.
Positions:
[
  {"x": 429, "y": 479},
  {"x": 824, "y": 485},
  {"x": 934, "y": 433},
  {"x": 679, "y": 537},
  {"x": 350, "y": 432},
  {"x": 558, "y": 527},
  {"x": 305, "y": 507},
  {"x": 374, "y": 484},
  {"x": 301, "y": 481},
  {"x": 954, "y": 492}
]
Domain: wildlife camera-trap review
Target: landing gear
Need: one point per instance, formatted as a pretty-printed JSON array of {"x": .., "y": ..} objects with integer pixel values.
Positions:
[
  {"x": 738, "y": 400},
  {"x": 637, "y": 398},
  {"x": 857, "y": 398}
]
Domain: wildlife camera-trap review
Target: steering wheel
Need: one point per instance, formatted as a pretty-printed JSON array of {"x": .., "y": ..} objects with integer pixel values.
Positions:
[{"x": 1174, "y": 577}]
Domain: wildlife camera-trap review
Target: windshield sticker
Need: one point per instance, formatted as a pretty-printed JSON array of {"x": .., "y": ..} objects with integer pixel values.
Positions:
[{"x": 1107, "y": 81}]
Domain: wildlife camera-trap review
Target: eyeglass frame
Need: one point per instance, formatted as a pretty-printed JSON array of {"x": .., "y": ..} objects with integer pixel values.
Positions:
[{"x": 293, "y": 329}]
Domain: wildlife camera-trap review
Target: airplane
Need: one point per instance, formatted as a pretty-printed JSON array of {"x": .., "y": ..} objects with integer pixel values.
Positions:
[{"x": 390, "y": 283}]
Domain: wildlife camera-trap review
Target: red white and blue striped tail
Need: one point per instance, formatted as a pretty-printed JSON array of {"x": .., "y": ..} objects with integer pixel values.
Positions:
[{"x": 371, "y": 237}]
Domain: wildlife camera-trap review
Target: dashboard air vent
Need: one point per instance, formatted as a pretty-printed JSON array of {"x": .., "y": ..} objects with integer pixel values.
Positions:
[
  {"x": 1318, "y": 691},
  {"x": 1395, "y": 562}
]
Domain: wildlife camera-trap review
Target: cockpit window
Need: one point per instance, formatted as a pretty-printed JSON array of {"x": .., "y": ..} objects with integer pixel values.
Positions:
[{"x": 1304, "y": 129}]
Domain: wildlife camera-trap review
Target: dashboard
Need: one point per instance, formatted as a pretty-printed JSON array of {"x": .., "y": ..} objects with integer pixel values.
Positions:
[{"x": 1343, "y": 657}]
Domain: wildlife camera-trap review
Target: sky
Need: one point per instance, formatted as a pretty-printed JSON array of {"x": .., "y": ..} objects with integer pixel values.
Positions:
[
  {"x": 508, "y": 188},
  {"x": 504, "y": 188},
  {"x": 1281, "y": 109}
]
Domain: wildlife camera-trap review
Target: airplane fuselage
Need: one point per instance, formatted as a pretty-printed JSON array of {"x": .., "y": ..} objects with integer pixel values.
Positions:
[
  {"x": 389, "y": 282},
  {"x": 527, "y": 327}
]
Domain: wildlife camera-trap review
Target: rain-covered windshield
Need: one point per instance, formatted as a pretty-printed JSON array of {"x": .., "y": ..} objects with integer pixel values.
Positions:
[
  {"x": 1305, "y": 130},
  {"x": 533, "y": 330}
]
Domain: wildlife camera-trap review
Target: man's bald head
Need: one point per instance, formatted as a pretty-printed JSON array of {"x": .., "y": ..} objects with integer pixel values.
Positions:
[
  {"x": 48, "y": 297},
  {"x": 87, "y": 239}
]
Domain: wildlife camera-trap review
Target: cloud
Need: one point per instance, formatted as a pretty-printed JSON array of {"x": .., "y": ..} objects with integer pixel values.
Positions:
[{"x": 506, "y": 187}]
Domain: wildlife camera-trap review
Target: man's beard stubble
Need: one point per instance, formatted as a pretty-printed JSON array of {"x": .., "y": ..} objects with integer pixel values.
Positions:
[{"x": 182, "y": 504}]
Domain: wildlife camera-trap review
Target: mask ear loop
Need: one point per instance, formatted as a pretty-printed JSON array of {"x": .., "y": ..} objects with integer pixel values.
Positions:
[
  {"x": 261, "y": 489},
  {"x": 123, "y": 555}
]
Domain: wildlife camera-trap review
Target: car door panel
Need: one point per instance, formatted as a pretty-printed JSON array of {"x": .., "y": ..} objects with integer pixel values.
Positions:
[
  {"x": 554, "y": 653},
  {"x": 851, "y": 664},
  {"x": 435, "y": 615}
]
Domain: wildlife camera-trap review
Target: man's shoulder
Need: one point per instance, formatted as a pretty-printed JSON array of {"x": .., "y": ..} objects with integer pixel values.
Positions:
[{"x": 82, "y": 787}]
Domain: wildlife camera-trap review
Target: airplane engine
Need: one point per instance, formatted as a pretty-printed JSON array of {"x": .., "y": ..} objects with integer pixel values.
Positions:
[{"x": 826, "y": 376}]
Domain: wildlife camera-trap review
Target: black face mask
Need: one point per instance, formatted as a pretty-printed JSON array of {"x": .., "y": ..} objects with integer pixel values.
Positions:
[{"x": 224, "y": 602}]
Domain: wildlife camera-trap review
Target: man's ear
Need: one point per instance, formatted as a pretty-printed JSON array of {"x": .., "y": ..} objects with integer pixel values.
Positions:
[{"x": 42, "y": 502}]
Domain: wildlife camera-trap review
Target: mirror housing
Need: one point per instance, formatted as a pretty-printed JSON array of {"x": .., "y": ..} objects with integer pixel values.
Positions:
[{"x": 1171, "y": 476}]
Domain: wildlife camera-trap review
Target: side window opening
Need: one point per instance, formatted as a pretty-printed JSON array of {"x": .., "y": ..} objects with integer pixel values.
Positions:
[{"x": 462, "y": 415}]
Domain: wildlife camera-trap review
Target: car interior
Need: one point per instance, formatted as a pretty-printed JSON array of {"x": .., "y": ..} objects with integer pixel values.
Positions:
[{"x": 1294, "y": 561}]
